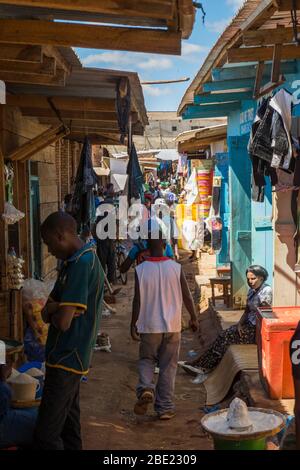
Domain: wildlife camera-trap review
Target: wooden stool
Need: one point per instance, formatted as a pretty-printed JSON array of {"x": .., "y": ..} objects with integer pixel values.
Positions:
[{"x": 225, "y": 282}]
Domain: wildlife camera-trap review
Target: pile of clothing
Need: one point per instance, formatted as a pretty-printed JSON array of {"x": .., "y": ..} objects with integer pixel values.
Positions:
[{"x": 273, "y": 150}]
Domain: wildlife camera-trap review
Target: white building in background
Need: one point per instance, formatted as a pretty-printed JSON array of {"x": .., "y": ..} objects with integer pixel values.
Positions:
[{"x": 163, "y": 128}]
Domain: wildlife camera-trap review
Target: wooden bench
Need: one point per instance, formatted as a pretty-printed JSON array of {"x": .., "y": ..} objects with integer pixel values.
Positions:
[{"x": 225, "y": 282}]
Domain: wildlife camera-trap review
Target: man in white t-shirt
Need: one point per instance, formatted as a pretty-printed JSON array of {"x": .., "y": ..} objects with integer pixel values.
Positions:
[{"x": 160, "y": 291}]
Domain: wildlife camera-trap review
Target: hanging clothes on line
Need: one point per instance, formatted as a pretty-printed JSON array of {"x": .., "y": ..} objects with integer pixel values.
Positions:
[{"x": 270, "y": 145}]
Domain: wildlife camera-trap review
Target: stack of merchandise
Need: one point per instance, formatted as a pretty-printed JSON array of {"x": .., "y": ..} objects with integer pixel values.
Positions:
[
  {"x": 15, "y": 271},
  {"x": 204, "y": 181}
]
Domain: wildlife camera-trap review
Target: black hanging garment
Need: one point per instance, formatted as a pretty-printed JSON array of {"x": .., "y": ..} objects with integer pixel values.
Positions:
[
  {"x": 83, "y": 201},
  {"x": 123, "y": 105}
]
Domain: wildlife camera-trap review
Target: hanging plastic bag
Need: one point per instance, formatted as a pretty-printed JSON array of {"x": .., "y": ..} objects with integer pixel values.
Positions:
[{"x": 11, "y": 215}]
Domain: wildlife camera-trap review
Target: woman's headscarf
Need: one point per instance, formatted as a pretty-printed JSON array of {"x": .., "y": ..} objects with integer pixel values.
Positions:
[{"x": 258, "y": 271}]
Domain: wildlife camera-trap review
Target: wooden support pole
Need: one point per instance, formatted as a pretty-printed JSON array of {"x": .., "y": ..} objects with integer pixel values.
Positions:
[
  {"x": 90, "y": 36},
  {"x": 3, "y": 227},
  {"x": 275, "y": 76},
  {"x": 38, "y": 143},
  {"x": 259, "y": 77}
]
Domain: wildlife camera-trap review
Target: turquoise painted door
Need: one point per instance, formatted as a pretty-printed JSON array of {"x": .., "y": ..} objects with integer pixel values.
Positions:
[
  {"x": 262, "y": 232},
  {"x": 36, "y": 253},
  {"x": 240, "y": 215},
  {"x": 222, "y": 169}
]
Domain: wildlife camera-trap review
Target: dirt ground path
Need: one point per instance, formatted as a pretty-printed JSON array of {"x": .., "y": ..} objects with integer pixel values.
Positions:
[{"x": 108, "y": 397}]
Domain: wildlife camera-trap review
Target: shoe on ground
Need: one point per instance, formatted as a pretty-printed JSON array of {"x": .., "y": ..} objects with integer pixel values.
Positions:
[
  {"x": 167, "y": 415},
  {"x": 191, "y": 370},
  {"x": 141, "y": 406}
]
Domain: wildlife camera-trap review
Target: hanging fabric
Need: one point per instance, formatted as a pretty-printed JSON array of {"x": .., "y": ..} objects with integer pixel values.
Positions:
[
  {"x": 135, "y": 176},
  {"x": 83, "y": 201},
  {"x": 123, "y": 105}
]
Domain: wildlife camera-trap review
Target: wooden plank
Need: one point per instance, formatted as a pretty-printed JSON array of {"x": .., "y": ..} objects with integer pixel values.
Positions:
[
  {"x": 90, "y": 36},
  {"x": 266, "y": 89},
  {"x": 287, "y": 5},
  {"x": 47, "y": 67},
  {"x": 275, "y": 75},
  {"x": 266, "y": 37},
  {"x": 259, "y": 77},
  {"x": 38, "y": 143},
  {"x": 104, "y": 105},
  {"x": 263, "y": 53},
  {"x": 130, "y": 8},
  {"x": 61, "y": 61},
  {"x": 35, "y": 79},
  {"x": 262, "y": 12},
  {"x": 69, "y": 115},
  {"x": 20, "y": 52},
  {"x": 110, "y": 125}
]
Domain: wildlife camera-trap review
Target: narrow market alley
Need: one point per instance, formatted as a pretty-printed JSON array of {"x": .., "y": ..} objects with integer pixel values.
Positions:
[{"x": 108, "y": 398}]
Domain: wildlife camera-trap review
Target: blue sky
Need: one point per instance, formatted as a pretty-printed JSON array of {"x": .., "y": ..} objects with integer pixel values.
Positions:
[{"x": 163, "y": 67}]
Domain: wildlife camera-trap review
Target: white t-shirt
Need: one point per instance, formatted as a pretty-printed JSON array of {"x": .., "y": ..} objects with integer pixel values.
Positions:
[{"x": 160, "y": 296}]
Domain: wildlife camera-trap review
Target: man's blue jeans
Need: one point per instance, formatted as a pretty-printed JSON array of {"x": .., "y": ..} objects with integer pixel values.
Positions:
[
  {"x": 161, "y": 348},
  {"x": 16, "y": 428}
]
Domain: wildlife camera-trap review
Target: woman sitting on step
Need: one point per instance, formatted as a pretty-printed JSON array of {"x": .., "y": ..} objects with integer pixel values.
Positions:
[{"x": 244, "y": 332}]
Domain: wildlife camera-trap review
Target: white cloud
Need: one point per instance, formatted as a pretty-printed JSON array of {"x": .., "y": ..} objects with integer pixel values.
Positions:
[
  {"x": 159, "y": 63},
  {"x": 189, "y": 48},
  {"x": 115, "y": 57},
  {"x": 156, "y": 91},
  {"x": 236, "y": 4},
  {"x": 218, "y": 26}
]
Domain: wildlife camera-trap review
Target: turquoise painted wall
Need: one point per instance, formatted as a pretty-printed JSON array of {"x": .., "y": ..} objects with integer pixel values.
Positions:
[{"x": 222, "y": 169}]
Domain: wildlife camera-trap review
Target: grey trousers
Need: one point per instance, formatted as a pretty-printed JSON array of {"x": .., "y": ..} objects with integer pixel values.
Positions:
[{"x": 160, "y": 349}]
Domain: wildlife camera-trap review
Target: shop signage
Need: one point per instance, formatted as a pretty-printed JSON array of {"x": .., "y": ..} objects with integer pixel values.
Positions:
[{"x": 246, "y": 120}]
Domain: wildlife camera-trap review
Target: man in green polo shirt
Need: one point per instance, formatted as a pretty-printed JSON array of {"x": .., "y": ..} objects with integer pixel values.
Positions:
[{"x": 73, "y": 311}]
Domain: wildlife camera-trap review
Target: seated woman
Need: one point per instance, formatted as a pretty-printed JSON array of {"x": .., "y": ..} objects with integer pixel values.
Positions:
[
  {"x": 16, "y": 426},
  {"x": 244, "y": 332}
]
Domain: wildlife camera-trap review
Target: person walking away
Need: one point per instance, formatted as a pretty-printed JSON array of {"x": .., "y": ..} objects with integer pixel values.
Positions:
[
  {"x": 73, "y": 311},
  {"x": 160, "y": 290},
  {"x": 106, "y": 249}
]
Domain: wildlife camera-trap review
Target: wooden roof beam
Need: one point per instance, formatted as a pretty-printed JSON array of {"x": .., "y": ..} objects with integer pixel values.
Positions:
[
  {"x": 21, "y": 52},
  {"x": 65, "y": 114},
  {"x": 261, "y": 54},
  {"x": 48, "y": 137},
  {"x": 262, "y": 12},
  {"x": 34, "y": 102},
  {"x": 265, "y": 37},
  {"x": 47, "y": 66},
  {"x": 287, "y": 5},
  {"x": 130, "y": 8},
  {"x": 34, "y": 78},
  {"x": 90, "y": 36}
]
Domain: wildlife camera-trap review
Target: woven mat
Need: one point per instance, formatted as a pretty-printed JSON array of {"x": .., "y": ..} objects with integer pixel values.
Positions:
[{"x": 236, "y": 359}]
